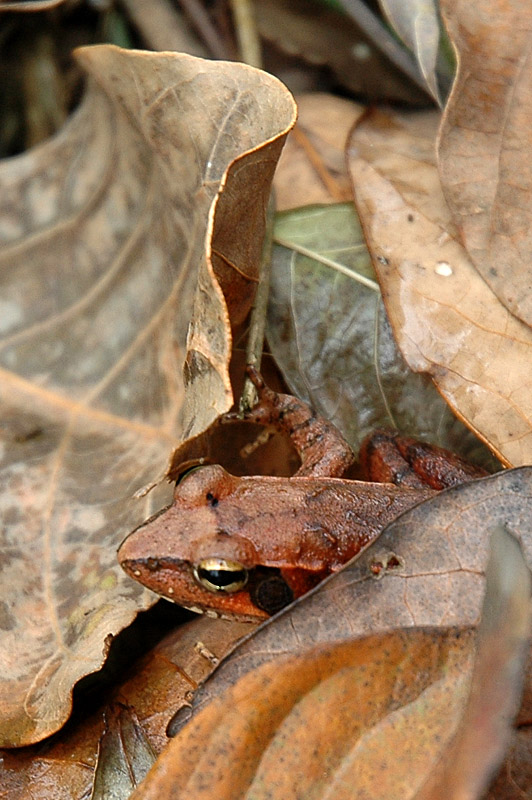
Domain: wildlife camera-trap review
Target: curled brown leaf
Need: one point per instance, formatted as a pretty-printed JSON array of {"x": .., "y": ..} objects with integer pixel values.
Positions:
[{"x": 107, "y": 233}]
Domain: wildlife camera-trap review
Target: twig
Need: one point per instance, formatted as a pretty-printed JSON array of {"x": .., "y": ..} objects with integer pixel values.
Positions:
[
  {"x": 317, "y": 164},
  {"x": 163, "y": 27},
  {"x": 204, "y": 27},
  {"x": 246, "y": 30},
  {"x": 257, "y": 327}
]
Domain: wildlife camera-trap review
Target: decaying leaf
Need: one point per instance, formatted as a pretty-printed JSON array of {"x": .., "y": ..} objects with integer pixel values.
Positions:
[
  {"x": 425, "y": 569},
  {"x": 398, "y": 714},
  {"x": 65, "y": 766},
  {"x": 485, "y": 147},
  {"x": 328, "y": 331},
  {"x": 445, "y": 318},
  {"x": 107, "y": 236}
]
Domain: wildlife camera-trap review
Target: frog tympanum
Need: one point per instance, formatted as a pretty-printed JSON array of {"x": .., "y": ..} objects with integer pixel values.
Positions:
[{"x": 244, "y": 547}]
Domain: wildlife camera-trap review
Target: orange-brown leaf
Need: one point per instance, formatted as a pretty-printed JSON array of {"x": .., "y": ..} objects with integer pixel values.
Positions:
[{"x": 418, "y": 713}]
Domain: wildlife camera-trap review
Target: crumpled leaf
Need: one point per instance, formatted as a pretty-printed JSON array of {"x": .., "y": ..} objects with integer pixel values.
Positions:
[
  {"x": 329, "y": 334},
  {"x": 68, "y": 764},
  {"x": 425, "y": 569},
  {"x": 107, "y": 232},
  {"x": 403, "y": 714},
  {"x": 485, "y": 146},
  {"x": 418, "y": 25},
  {"x": 446, "y": 320}
]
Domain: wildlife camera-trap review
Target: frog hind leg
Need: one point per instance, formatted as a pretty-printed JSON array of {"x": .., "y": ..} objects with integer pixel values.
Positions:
[
  {"x": 322, "y": 449},
  {"x": 388, "y": 457}
]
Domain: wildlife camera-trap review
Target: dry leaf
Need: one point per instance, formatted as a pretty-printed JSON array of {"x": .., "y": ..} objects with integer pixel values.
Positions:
[
  {"x": 65, "y": 766},
  {"x": 106, "y": 234},
  {"x": 445, "y": 319},
  {"x": 485, "y": 146},
  {"x": 425, "y": 569},
  {"x": 312, "y": 166},
  {"x": 400, "y": 714},
  {"x": 318, "y": 725},
  {"x": 322, "y": 36},
  {"x": 329, "y": 333},
  {"x": 418, "y": 25}
]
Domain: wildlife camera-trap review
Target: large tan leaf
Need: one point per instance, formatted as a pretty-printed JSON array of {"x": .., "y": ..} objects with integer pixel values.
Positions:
[
  {"x": 107, "y": 233},
  {"x": 445, "y": 318},
  {"x": 401, "y": 714},
  {"x": 485, "y": 146}
]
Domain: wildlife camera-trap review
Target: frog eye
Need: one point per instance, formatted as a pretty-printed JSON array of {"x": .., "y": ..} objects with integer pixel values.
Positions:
[
  {"x": 219, "y": 575},
  {"x": 187, "y": 469}
]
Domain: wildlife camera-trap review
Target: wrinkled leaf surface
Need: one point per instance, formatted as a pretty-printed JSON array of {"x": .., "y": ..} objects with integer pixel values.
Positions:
[
  {"x": 485, "y": 146},
  {"x": 107, "y": 232},
  {"x": 445, "y": 318}
]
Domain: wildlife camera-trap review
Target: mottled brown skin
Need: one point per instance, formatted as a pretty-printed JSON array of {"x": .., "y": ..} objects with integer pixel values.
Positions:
[
  {"x": 387, "y": 456},
  {"x": 299, "y": 529}
]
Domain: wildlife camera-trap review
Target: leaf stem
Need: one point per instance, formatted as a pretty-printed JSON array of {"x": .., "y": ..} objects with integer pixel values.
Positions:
[
  {"x": 246, "y": 31},
  {"x": 257, "y": 327}
]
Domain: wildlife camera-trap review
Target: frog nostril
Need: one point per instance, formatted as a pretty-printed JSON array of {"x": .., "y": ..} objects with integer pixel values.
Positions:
[
  {"x": 220, "y": 575},
  {"x": 212, "y": 499}
]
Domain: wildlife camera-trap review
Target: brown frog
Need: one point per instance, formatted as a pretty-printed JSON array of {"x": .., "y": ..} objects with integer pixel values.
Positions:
[{"x": 245, "y": 547}]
